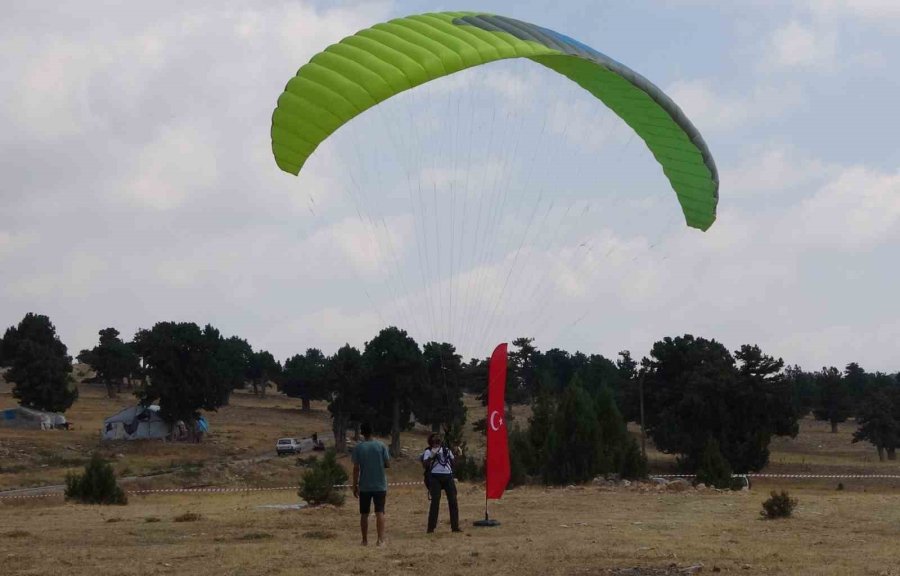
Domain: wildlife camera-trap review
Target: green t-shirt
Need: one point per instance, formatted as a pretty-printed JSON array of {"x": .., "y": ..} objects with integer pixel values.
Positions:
[{"x": 372, "y": 456}]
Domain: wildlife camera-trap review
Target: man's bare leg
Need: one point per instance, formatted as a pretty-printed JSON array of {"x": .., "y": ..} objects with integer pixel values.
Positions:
[
  {"x": 379, "y": 526},
  {"x": 364, "y": 528}
]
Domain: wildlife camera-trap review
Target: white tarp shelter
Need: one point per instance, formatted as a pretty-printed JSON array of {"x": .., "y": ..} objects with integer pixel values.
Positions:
[
  {"x": 22, "y": 417},
  {"x": 136, "y": 423}
]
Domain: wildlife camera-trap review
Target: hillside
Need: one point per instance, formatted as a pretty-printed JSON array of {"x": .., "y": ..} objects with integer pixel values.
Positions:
[{"x": 590, "y": 530}]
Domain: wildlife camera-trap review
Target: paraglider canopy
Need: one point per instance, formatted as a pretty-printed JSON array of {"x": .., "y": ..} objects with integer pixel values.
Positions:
[{"x": 375, "y": 64}]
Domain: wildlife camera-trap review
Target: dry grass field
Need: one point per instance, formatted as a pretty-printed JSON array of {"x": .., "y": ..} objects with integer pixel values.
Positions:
[{"x": 567, "y": 531}]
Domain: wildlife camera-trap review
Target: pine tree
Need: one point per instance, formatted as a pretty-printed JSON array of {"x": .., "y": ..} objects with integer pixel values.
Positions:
[
  {"x": 573, "y": 444},
  {"x": 534, "y": 458},
  {"x": 878, "y": 421},
  {"x": 344, "y": 375},
  {"x": 613, "y": 433},
  {"x": 185, "y": 369},
  {"x": 833, "y": 403},
  {"x": 39, "y": 365},
  {"x": 112, "y": 359}
]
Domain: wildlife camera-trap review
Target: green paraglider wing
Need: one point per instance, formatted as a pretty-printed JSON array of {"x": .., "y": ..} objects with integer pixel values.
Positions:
[{"x": 374, "y": 64}]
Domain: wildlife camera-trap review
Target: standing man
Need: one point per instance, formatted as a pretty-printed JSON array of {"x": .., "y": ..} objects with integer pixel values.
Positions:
[
  {"x": 438, "y": 462},
  {"x": 370, "y": 458}
]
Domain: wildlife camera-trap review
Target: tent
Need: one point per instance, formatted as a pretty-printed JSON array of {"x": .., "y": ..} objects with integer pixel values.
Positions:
[
  {"x": 136, "y": 423},
  {"x": 22, "y": 417}
]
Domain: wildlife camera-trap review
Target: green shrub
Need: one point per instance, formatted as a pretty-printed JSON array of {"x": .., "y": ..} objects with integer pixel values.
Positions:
[
  {"x": 779, "y": 505},
  {"x": 306, "y": 462},
  {"x": 519, "y": 448},
  {"x": 714, "y": 469},
  {"x": 188, "y": 517},
  {"x": 467, "y": 469},
  {"x": 317, "y": 483},
  {"x": 634, "y": 465},
  {"x": 96, "y": 486}
]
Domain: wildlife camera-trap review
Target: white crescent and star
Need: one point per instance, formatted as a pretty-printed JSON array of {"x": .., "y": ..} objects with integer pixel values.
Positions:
[{"x": 496, "y": 424}]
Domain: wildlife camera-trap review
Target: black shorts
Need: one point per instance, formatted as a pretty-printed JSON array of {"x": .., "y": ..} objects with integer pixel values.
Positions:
[{"x": 365, "y": 502}]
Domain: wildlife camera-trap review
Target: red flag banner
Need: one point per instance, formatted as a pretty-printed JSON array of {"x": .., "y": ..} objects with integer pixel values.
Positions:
[{"x": 497, "y": 468}]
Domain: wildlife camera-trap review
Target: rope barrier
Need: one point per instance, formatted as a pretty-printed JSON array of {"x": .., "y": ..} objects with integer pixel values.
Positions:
[
  {"x": 2, "y": 497},
  {"x": 844, "y": 476},
  {"x": 389, "y": 484},
  {"x": 211, "y": 490},
  {"x": 57, "y": 492},
  {"x": 755, "y": 475}
]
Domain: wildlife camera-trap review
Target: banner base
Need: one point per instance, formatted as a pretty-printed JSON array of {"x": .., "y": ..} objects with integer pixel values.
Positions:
[{"x": 487, "y": 522}]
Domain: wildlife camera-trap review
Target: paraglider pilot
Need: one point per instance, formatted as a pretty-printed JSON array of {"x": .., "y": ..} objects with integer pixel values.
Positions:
[{"x": 438, "y": 461}]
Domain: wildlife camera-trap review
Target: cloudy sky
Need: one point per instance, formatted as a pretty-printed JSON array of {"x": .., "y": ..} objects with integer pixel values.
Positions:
[{"x": 138, "y": 183}]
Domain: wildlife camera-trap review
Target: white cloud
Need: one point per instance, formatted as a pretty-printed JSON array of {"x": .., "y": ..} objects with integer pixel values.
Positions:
[
  {"x": 345, "y": 251},
  {"x": 800, "y": 45},
  {"x": 514, "y": 85},
  {"x": 15, "y": 243},
  {"x": 588, "y": 124},
  {"x": 304, "y": 30},
  {"x": 78, "y": 275},
  {"x": 773, "y": 170},
  {"x": 711, "y": 110},
  {"x": 837, "y": 345},
  {"x": 473, "y": 179},
  {"x": 865, "y": 9},
  {"x": 818, "y": 205},
  {"x": 373, "y": 251},
  {"x": 181, "y": 162},
  {"x": 327, "y": 329},
  {"x": 857, "y": 210},
  {"x": 47, "y": 97}
]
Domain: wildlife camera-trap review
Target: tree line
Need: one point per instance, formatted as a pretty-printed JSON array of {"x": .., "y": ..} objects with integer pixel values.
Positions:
[{"x": 693, "y": 392}]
